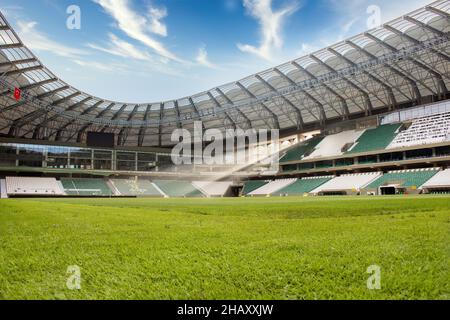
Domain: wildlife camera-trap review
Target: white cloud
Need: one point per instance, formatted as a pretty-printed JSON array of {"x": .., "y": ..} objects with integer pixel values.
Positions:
[
  {"x": 271, "y": 23},
  {"x": 121, "y": 48},
  {"x": 39, "y": 41},
  {"x": 203, "y": 60},
  {"x": 156, "y": 26},
  {"x": 99, "y": 66},
  {"x": 135, "y": 25}
]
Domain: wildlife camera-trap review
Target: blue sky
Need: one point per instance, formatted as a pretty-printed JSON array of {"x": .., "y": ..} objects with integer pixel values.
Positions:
[{"x": 154, "y": 50}]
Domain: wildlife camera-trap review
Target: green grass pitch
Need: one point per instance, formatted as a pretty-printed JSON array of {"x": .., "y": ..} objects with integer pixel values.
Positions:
[{"x": 252, "y": 248}]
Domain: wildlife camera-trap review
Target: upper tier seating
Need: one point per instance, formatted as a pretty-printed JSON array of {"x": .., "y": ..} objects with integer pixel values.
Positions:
[
  {"x": 132, "y": 187},
  {"x": 297, "y": 152},
  {"x": 33, "y": 186},
  {"x": 86, "y": 187},
  {"x": 375, "y": 139},
  {"x": 426, "y": 130},
  {"x": 213, "y": 188},
  {"x": 440, "y": 180},
  {"x": 272, "y": 187},
  {"x": 354, "y": 182},
  {"x": 332, "y": 145},
  {"x": 404, "y": 178},
  {"x": 178, "y": 188},
  {"x": 303, "y": 186},
  {"x": 252, "y": 185}
]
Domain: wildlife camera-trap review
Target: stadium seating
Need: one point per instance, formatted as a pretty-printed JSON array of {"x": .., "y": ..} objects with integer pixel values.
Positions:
[
  {"x": 404, "y": 178},
  {"x": 375, "y": 139},
  {"x": 3, "y": 194},
  {"x": 133, "y": 187},
  {"x": 440, "y": 180},
  {"x": 272, "y": 187},
  {"x": 178, "y": 188},
  {"x": 213, "y": 188},
  {"x": 252, "y": 185},
  {"x": 333, "y": 145},
  {"x": 86, "y": 187},
  {"x": 347, "y": 182},
  {"x": 426, "y": 130},
  {"x": 302, "y": 186},
  {"x": 33, "y": 186},
  {"x": 297, "y": 152}
]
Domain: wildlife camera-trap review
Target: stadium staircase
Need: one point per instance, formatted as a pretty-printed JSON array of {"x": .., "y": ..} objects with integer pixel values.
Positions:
[
  {"x": 404, "y": 178},
  {"x": 375, "y": 139},
  {"x": 302, "y": 186}
]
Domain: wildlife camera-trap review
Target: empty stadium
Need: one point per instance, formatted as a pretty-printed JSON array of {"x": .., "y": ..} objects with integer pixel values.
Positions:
[{"x": 362, "y": 178}]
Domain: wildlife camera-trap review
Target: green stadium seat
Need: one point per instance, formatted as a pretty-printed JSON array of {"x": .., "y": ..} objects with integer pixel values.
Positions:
[
  {"x": 375, "y": 139},
  {"x": 297, "y": 152},
  {"x": 86, "y": 187},
  {"x": 405, "y": 178},
  {"x": 178, "y": 189},
  {"x": 303, "y": 186},
  {"x": 250, "y": 186}
]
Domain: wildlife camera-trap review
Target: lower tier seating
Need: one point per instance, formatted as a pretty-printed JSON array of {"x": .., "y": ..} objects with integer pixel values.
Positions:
[
  {"x": 178, "y": 188},
  {"x": 252, "y": 185},
  {"x": 133, "y": 187},
  {"x": 404, "y": 178},
  {"x": 33, "y": 186},
  {"x": 303, "y": 186},
  {"x": 86, "y": 187},
  {"x": 347, "y": 182},
  {"x": 213, "y": 188},
  {"x": 272, "y": 187},
  {"x": 440, "y": 180}
]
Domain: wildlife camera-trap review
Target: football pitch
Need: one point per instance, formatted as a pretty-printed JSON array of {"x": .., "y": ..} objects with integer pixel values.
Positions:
[{"x": 237, "y": 248}]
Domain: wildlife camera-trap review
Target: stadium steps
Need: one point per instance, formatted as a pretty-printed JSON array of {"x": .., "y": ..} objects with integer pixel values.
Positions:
[
  {"x": 86, "y": 187},
  {"x": 3, "y": 194},
  {"x": 297, "y": 152},
  {"x": 404, "y": 178},
  {"x": 303, "y": 186},
  {"x": 178, "y": 189},
  {"x": 375, "y": 139},
  {"x": 334, "y": 145}
]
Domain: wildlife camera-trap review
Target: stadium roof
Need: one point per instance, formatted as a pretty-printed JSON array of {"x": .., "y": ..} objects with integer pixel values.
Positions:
[{"x": 399, "y": 63}]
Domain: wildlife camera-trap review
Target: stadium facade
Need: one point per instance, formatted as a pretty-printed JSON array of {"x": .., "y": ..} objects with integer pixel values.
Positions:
[{"x": 368, "y": 115}]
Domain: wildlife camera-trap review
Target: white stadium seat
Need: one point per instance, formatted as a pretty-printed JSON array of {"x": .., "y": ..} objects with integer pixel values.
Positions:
[
  {"x": 33, "y": 186},
  {"x": 426, "y": 130},
  {"x": 332, "y": 145},
  {"x": 441, "y": 179},
  {"x": 353, "y": 182}
]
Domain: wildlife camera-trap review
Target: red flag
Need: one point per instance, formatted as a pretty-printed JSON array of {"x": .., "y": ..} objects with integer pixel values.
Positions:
[{"x": 17, "y": 94}]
